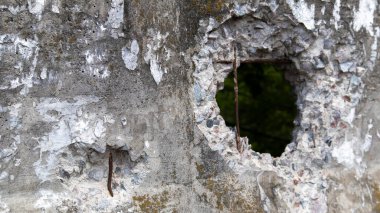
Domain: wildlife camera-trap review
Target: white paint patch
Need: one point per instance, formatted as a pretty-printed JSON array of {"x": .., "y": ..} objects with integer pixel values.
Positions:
[
  {"x": 240, "y": 10},
  {"x": 3, "y": 175},
  {"x": 43, "y": 74},
  {"x": 303, "y": 12},
  {"x": 45, "y": 167},
  {"x": 12, "y": 43},
  {"x": 58, "y": 138},
  {"x": 65, "y": 108},
  {"x": 47, "y": 199},
  {"x": 364, "y": 16},
  {"x": 146, "y": 143},
  {"x": 374, "y": 45},
  {"x": 27, "y": 81},
  {"x": 345, "y": 154},
  {"x": 8, "y": 151},
  {"x": 124, "y": 121},
  {"x": 368, "y": 139},
  {"x": 91, "y": 57},
  {"x": 323, "y": 10},
  {"x": 346, "y": 66},
  {"x": 367, "y": 143},
  {"x": 108, "y": 119},
  {"x": 350, "y": 117},
  {"x": 17, "y": 162},
  {"x": 95, "y": 63},
  {"x": 151, "y": 56},
  {"x": 14, "y": 111},
  {"x": 99, "y": 129},
  {"x": 336, "y": 13},
  {"x": 116, "y": 14},
  {"x": 4, "y": 207},
  {"x": 55, "y": 6},
  {"x": 72, "y": 121},
  {"x": 130, "y": 56},
  {"x": 26, "y": 48},
  {"x": 14, "y": 10},
  {"x": 17, "y": 138},
  {"x": 36, "y": 7},
  {"x": 264, "y": 198},
  {"x": 156, "y": 70}
]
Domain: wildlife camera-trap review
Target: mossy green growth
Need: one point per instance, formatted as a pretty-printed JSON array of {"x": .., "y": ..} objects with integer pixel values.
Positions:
[
  {"x": 200, "y": 168},
  {"x": 230, "y": 196},
  {"x": 210, "y": 7},
  {"x": 152, "y": 203},
  {"x": 377, "y": 199}
]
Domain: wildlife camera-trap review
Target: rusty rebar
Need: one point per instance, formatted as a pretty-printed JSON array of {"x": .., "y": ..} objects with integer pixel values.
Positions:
[{"x": 236, "y": 89}]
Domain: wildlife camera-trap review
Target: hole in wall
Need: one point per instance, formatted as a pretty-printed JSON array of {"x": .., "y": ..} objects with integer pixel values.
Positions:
[{"x": 267, "y": 106}]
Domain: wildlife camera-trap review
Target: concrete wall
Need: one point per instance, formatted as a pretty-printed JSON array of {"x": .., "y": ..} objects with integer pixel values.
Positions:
[{"x": 82, "y": 79}]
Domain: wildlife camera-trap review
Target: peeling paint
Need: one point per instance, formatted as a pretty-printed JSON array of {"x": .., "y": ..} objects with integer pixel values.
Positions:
[
  {"x": 47, "y": 198},
  {"x": 55, "y": 5},
  {"x": 3, "y": 175},
  {"x": 36, "y": 7},
  {"x": 349, "y": 118},
  {"x": 264, "y": 197},
  {"x": 345, "y": 154},
  {"x": 99, "y": 129},
  {"x": 367, "y": 138},
  {"x": 156, "y": 71},
  {"x": 95, "y": 63},
  {"x": 146, "y": 143},
  {"x": 14, "y": 111},
  {"x": 323, "y": 10},
  {"x": 14, "y": 9},
  {"x": 336, "y": 13},
  {"x": 10, "y": 43},
  {"x": 130, "y": 56},
  {"x": 43, "y": 74},
  {"x": 303, "y": 12},
  {"x": 115, "y": 19},
  {"x": 14, "y": 122},
  {"x": 374, "y": 45},
  {"x": 242, "y": 9},
  {"x": 151, "y": 56},
  {"x": 68, "y": 126},
  {"x": 116, "y": 14},
  {"x": 4, "y": 207},
  {"x": 364, "y": 15}
]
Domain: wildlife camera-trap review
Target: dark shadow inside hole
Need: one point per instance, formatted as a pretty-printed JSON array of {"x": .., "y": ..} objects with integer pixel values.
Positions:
[{"x": 266, "y": 106}]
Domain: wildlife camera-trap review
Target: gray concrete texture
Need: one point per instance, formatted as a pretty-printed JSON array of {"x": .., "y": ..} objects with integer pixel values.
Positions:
[{"x": 82, "y": 79}]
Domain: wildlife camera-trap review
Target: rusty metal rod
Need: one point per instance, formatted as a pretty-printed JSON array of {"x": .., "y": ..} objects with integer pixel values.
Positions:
[
  {"x": 110, "y": 170},
  {"x": 258, "y": 60},
  {"x": 236, "y": 89}
]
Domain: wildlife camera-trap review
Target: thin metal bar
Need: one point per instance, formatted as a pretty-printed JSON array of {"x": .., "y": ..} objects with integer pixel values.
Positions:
[
  {"x": 236, "y": 89},
  {"x": 110, "y": 170},
  {"x": 259, "y": 60}
]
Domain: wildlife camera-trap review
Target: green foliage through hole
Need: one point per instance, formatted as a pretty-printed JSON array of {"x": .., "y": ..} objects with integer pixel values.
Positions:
[{"x": 266, "y": 105}]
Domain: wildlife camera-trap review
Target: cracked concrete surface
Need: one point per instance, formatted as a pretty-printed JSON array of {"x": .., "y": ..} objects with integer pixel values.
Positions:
[{"x": 138, "y": 79}]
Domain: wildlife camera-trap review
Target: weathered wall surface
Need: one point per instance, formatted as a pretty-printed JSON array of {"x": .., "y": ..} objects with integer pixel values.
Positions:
[{"x": 80, "y": 79}]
